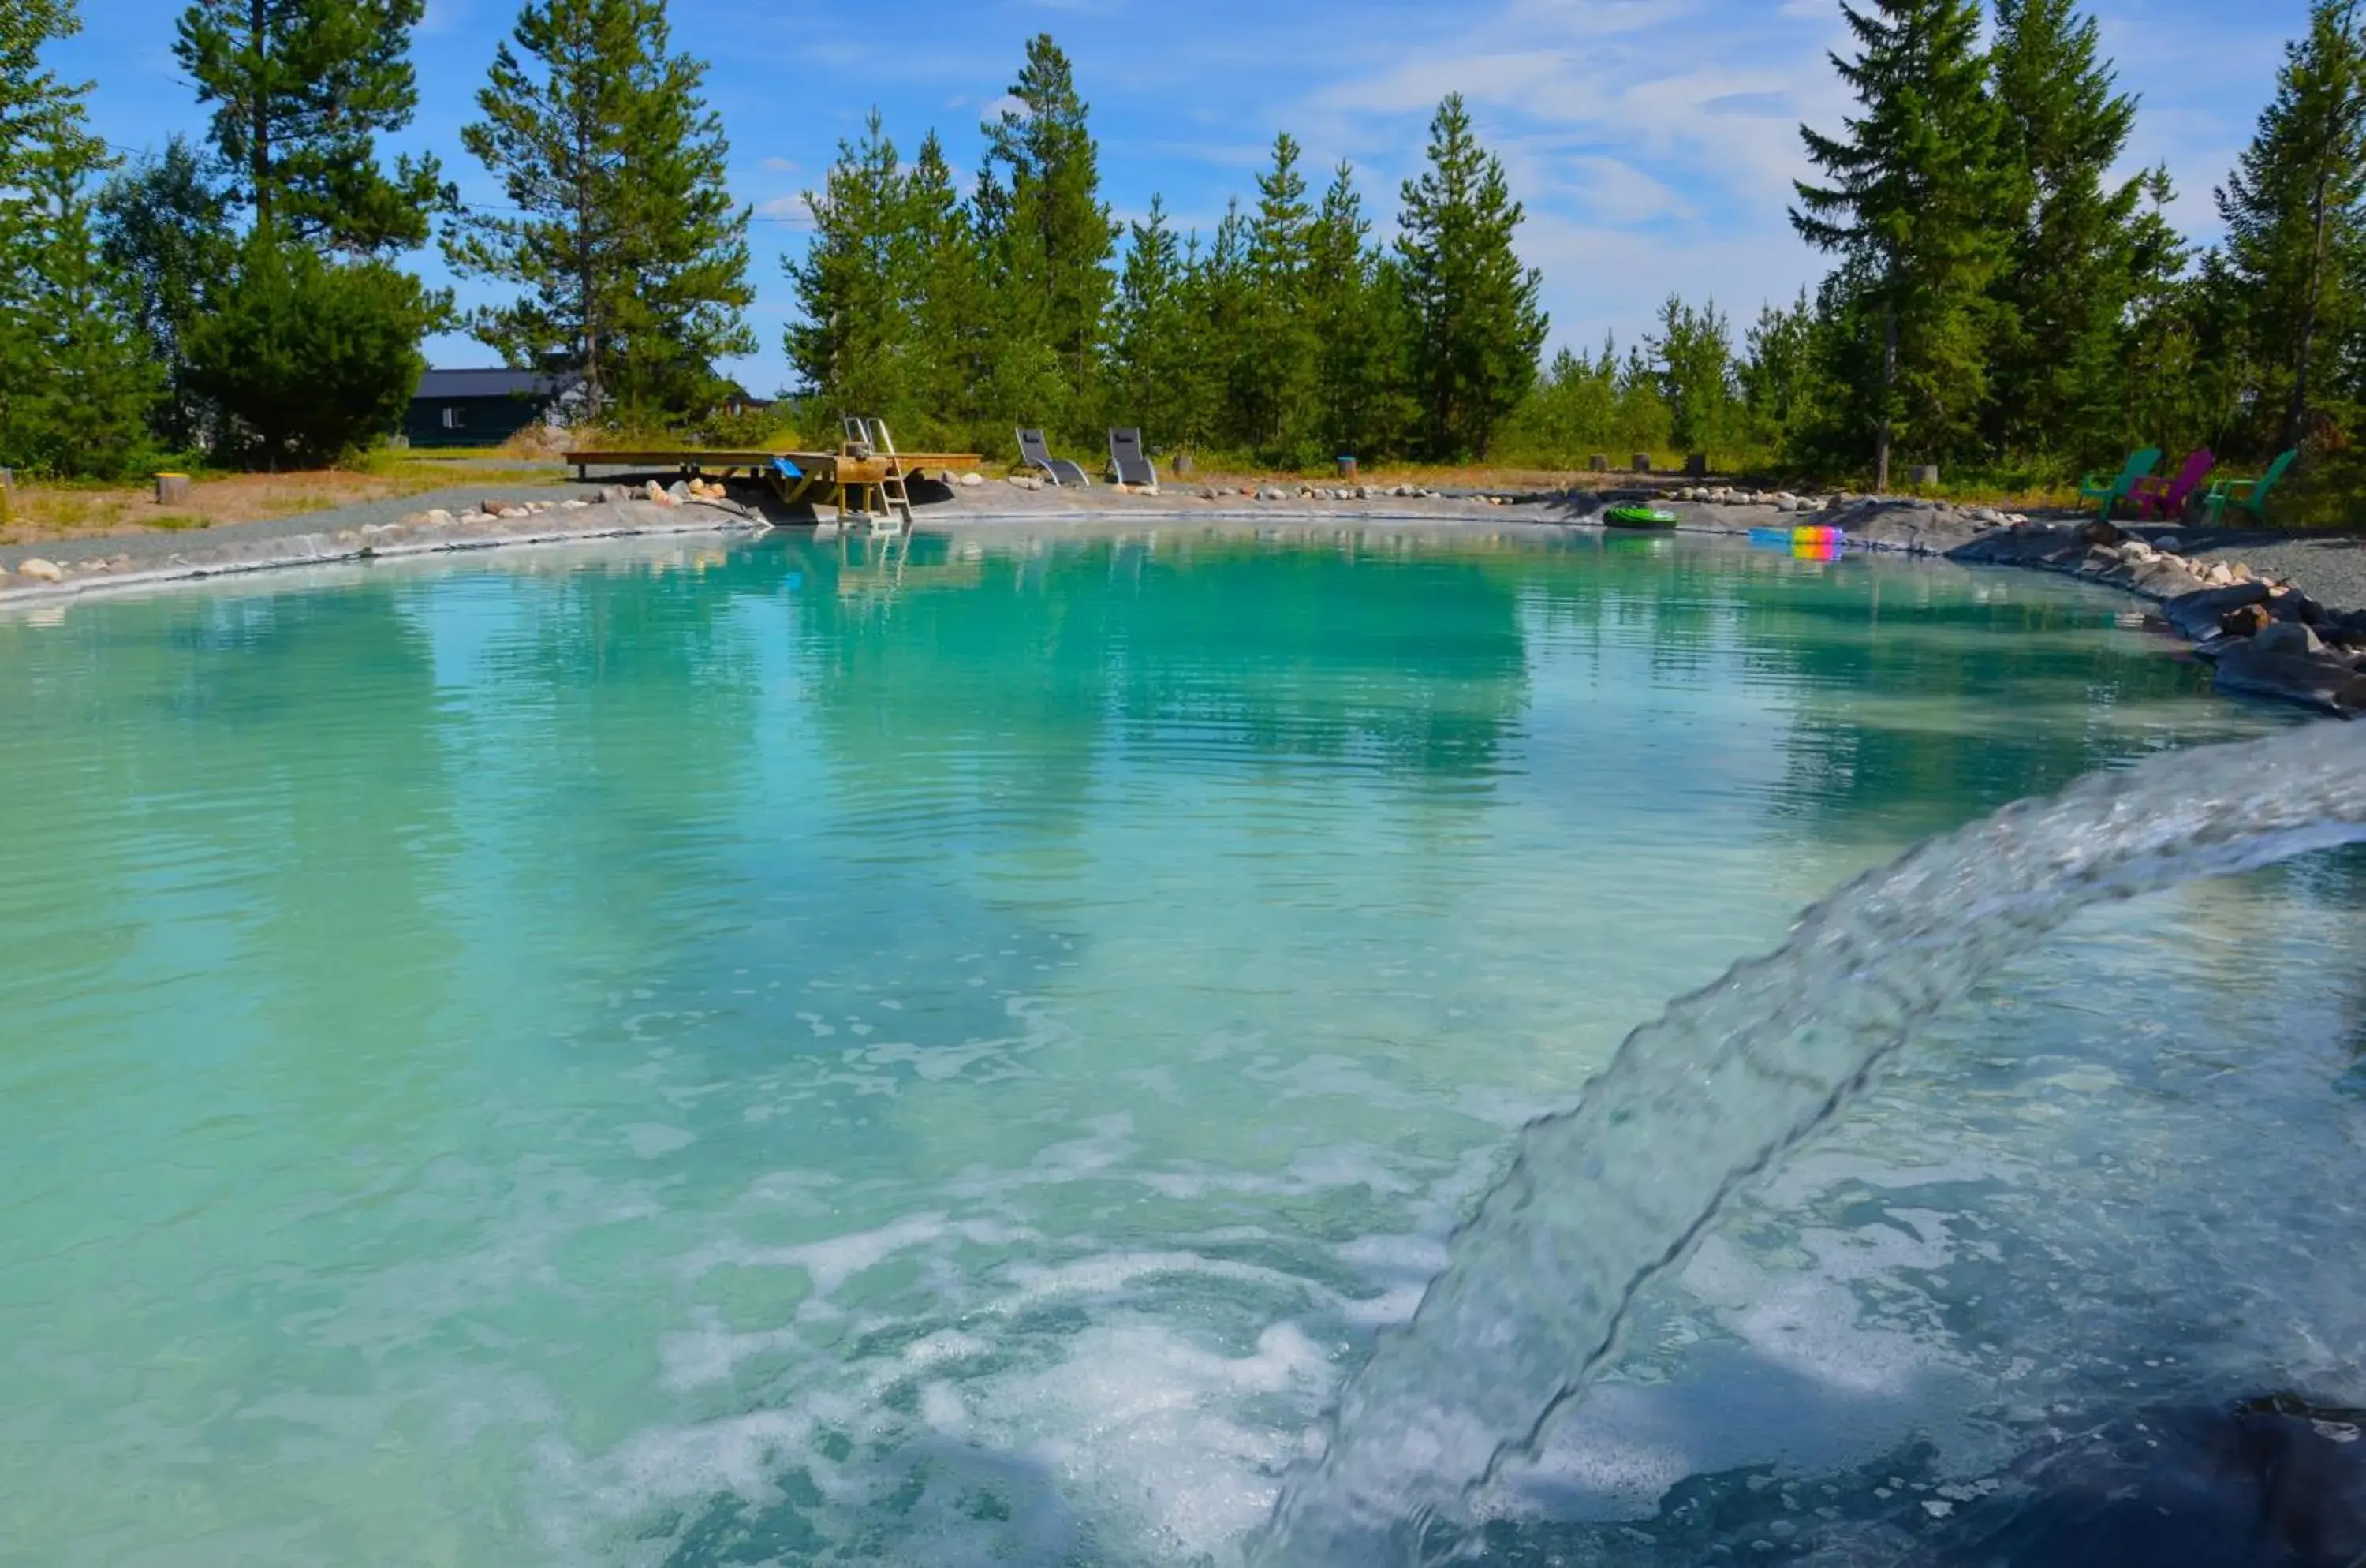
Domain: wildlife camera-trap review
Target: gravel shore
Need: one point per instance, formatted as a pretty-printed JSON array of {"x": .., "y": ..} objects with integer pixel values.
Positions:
[
  {"x": 2329, "y": 569},
  {"x": 154, "y": 547}
]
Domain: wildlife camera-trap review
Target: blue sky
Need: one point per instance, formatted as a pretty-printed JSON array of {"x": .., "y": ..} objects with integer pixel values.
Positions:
[{"x": 1652, "y": 141}]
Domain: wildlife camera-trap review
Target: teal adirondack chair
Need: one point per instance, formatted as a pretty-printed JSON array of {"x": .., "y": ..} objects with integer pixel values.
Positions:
[
  {"x": 2096, "y": 486},
  {"x": 2245, "y": 495}
]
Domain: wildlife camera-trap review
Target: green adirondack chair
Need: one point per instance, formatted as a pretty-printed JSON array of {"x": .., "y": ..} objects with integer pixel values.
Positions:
[
  {"x": 2245, "y": 495},
  {"x": 2108, "y": 491}
]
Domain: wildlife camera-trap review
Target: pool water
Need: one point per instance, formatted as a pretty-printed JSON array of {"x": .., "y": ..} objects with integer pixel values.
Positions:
[{"x": 798, "y": 1052}]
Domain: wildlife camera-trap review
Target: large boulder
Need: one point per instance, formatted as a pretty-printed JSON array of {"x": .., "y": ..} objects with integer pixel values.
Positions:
[
  {"x": 2196, "y": 614},
  {"x": 40, "y": 571},
  {"x": 2318, "y": 680},
  {"x": 2285, "y": 637}
]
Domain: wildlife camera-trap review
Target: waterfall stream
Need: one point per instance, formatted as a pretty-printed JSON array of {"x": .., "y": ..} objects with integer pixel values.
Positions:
[{"x": 1602, "y": 1199}]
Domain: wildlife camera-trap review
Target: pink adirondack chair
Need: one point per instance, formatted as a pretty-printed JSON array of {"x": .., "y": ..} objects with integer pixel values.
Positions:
[{"x": 2163, "y": 500}]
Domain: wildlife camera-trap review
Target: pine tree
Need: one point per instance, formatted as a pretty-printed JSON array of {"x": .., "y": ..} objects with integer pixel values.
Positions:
[
  {"x": 1781, "y": 375},
  {"x": 1223, "y": 298},
  {"x": 308, "y": 358},
  {"x": 2186, "y": 361},
  {"x": 76, "y": 378},
  {"x": 1571, "y": 414},
  {"x": 853, "y": 341},
  {"x": 1354, "y": 385},
  {"x": 1156, "y": 375},
  {"x": 166, "y": 229},
  {"x": 1479, "y": 328},
  {"x": 304, "y": 88},
  {"x": 1916, "y": 187},
  {"x": 631, "y": 255},
  {"x": 1640, "y": 420},
  {"x": 87, "y": 411},
  {"x": 1273, "y": 384},
  {"x": 2295, "y": 214},
  {"x": 1694, "y": 350},
  {"x": 37, "y": 113},
  {"x": 949, "y": 304},
  {"x": 2059, "y": 375},
  {"x": 1048, "y": 233}
]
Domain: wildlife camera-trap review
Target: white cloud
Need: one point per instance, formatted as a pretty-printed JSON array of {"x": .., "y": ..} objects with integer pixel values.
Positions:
[
  {"x": 785, "y": 207},
  {"x": 779, "y": 166}
]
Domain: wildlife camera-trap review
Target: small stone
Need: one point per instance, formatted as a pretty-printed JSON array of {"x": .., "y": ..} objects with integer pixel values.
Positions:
[
  {"x": 972, "y": 479},
  {"x": 41, "y": 570},
  {"x": 2099, "y": 533}
]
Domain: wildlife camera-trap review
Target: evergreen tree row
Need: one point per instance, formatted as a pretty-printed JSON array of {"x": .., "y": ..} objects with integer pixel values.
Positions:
[
  {"x": 2002, "y": 296},
  {"x": 1287, "y": 335}
]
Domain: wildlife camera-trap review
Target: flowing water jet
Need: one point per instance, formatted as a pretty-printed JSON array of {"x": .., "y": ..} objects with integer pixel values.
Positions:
[{"x": 1602, "y": 1199}]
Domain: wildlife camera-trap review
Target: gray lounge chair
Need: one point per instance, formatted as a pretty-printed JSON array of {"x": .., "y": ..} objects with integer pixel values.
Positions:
[
  {"x": 1059, "y": 470},
  {"x": 1129, "y": 462}
]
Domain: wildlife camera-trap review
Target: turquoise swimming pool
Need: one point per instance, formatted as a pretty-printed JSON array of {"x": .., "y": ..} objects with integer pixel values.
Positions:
[{"x": 804, "y": 1052}]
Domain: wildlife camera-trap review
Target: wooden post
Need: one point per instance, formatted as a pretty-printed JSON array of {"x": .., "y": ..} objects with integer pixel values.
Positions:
[
  {"x": 1642, "y": 462},
  {"x": 173, "y": 490},
  {"x": 1598, "y": 463}
]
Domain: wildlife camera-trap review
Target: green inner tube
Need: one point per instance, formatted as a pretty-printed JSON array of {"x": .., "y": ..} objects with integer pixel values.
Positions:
[{"x": 1639, "y": 517}]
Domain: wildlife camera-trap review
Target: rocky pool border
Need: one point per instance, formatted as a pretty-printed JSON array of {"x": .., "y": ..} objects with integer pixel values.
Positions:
[
  {"x": 496, "y": 524},
  {"x": 2261, "y": 636}
]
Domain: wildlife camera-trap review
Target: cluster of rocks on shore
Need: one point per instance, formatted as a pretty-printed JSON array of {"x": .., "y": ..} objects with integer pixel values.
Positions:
[
  {"x": 2263, "y": 637},
  {"x": 1314, "y": 492},
  {"x": 1787, "y": 500}
]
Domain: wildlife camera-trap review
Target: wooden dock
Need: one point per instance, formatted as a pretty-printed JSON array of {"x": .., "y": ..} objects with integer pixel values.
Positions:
[{"x": 860, "y": 479}]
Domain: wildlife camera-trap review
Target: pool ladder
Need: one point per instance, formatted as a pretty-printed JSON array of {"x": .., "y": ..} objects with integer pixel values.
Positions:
[{"x": 894, "y": 497}]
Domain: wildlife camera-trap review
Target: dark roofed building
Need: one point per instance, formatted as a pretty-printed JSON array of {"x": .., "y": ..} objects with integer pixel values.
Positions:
[{"x": 485, "y": 408}]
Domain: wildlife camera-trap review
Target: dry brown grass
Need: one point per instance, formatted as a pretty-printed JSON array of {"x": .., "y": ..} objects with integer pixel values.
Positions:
[{"x": 36, "y": 513}]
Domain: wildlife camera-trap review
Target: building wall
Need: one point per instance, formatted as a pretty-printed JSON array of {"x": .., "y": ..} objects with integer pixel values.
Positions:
[{"x": 468, "y": 422}]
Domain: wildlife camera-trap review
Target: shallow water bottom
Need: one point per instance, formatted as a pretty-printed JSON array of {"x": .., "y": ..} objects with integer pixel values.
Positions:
[{"x": 685, "y": 1055}]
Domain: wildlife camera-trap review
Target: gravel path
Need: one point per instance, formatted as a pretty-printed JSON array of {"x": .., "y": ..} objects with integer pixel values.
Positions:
[
  {"x": 157, "y": 546},
  {"x": 2329, "y": 569}
]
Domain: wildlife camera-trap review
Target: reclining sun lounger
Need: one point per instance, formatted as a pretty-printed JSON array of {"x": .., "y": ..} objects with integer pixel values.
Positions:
[
  {"x": 1059, "y": 470},
  {"x": 1128, "y": 461}
]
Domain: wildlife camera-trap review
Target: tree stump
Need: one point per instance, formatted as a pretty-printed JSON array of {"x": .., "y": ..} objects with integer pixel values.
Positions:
[
  {"x": 1180, "y": 463},
  {"x": 1924, "y": 476},
  {"x": 1697, "y": 466},
  {"x": 1642, "y": 462},
  {"x": 173, "y": 490},
  {"x": 1598, "y": 463}
]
